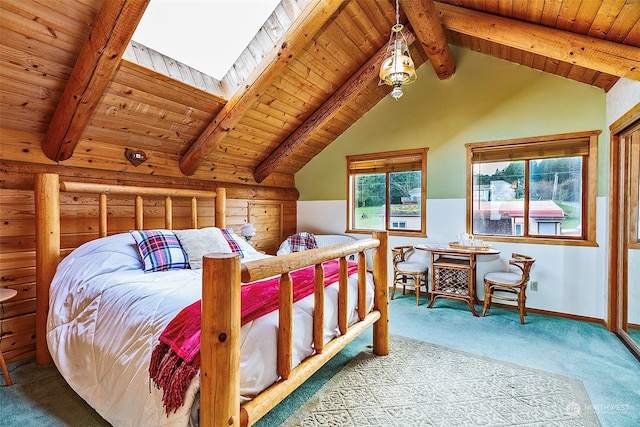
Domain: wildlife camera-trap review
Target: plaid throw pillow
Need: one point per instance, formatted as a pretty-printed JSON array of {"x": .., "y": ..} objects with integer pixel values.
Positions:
[
  {"x": 231, "y": 239},
  {"x": 302, "y": 241},
  {"x": 160, "y": 250}
]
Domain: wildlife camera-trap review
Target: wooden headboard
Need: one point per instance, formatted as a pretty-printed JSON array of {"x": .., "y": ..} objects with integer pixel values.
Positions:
[{"x": 47, "y": 189}]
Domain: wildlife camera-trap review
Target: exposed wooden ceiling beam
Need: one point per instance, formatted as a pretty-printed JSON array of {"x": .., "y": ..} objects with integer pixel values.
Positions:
[
  {"x": 358, "y": 81},
  {"x": 424, "y": 19},
  {"x": 596, "y": 54},
  {"x": 98, "y": 60},
  {"x": 313, "y": 18}
]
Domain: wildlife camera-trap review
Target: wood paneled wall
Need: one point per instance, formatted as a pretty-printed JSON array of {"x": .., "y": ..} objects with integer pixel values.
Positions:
[{"x": 272, "y": 210}]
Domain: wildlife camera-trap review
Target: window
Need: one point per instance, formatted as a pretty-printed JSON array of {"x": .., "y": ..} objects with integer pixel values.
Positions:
[
  {"x": 387, "y": 191},
  {"x": 538, "y": 189}
]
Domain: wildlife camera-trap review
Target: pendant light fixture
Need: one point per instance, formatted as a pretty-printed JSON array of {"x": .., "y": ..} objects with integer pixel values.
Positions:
[{"x": 398, "y": 68}]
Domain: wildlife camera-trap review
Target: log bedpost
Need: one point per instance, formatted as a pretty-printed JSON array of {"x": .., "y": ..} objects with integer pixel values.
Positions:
[
  {"x": 220, "y": 341},
  {"x": 221, "y": 206},
  {"x": 103, "y": 214},
  {"x": 47, "y": 207},
  {"x": 381, "y": 301}
]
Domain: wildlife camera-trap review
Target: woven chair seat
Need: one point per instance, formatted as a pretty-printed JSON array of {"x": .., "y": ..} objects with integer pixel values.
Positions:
[
  {"x": 504, "y": 277},
  {"x": 412, "y": 267}
]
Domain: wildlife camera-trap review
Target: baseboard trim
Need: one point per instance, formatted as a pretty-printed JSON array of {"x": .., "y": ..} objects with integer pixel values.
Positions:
[
  {"x": 552, "y": 313},
  {"x": 529, "y": 310}
]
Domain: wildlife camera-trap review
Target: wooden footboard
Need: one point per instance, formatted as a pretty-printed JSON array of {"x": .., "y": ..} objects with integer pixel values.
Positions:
[{"x": 220, "y": 340}]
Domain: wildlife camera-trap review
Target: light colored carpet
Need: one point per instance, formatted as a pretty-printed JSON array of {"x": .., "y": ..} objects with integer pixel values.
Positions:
[{"x": 422, "y": 384}]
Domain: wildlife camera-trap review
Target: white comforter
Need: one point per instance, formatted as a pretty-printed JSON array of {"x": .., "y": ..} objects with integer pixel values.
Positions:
[{"x": 106, "y": 315}]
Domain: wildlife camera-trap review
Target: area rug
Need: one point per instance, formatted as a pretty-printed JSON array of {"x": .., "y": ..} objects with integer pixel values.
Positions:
[{"x": 422, "y": 384}]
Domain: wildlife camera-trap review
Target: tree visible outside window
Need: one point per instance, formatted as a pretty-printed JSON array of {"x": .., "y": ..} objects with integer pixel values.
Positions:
[
  {"x": 387, "y": 192},
  {"x": 541, "y": 188}
]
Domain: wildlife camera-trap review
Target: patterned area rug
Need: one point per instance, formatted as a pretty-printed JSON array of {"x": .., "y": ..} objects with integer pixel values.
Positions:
[{"x": 422, "y": 384}]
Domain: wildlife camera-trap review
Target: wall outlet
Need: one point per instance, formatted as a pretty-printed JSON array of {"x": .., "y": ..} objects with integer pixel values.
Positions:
[{"x": 533, "y": 285}]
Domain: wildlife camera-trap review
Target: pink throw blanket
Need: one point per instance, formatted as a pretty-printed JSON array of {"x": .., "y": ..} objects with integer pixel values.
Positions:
[{"x": 176, "y": 359}]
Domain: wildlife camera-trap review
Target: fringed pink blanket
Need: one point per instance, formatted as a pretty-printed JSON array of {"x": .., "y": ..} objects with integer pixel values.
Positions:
[{"x": 176, "y": 359}]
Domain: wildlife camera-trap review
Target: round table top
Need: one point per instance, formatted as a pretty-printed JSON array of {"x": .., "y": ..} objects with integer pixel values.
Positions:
[
  {"x": 465, "y": 250},
  {"x": 6, "y": 293}
]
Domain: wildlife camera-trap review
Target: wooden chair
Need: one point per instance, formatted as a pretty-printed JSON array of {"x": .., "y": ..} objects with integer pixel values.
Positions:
[
  {"x": 407, "y": 272},
  {"x": 497, "y": 283}
]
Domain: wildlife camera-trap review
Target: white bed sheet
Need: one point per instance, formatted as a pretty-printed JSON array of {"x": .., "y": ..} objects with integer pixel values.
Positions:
[{"x": 106, "y": 315}]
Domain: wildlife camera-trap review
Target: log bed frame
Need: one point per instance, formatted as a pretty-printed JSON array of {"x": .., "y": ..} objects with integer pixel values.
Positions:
[{"x": 220, "y": 340}]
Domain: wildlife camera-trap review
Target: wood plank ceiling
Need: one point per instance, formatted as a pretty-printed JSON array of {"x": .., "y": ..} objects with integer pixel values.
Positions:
[{"x": 76, "y": 91}]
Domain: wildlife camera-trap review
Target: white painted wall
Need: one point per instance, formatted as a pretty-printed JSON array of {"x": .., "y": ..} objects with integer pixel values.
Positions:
[
  {"x": 623, "y": 96},
  {"x": 571, "y": 279}
]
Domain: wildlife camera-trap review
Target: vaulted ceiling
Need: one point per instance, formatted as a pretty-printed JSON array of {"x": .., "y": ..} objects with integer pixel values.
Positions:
[{"x": 76, "y": 90}]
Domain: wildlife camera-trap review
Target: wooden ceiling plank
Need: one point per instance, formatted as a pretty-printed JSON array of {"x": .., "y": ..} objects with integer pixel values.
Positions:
[
  {"x": 52, "y": 83},
  {"x": 605, "y": 18},
  {"x": 380, "y": 14},
  {"x": 294, "y": 40},
  {"x": 322, "y": 115},
  {"x": 505, "y": 8},
  {"x": 345, "y": 49},
  {"x": 99, "y": 57},
  {"x": 633, "y": 38},
  {"x": 627, "y": 22},
  {"x": 148, "y": 120},
  {"x": 290, "y": 103},
  {"x": 28, "y": 91},
  {"x": 303, "y": 67},
  {"x": 52, "y": 33},
  {"x": 76, "y": 10},
  {"x": 563, "y": 69},
  {"x": 601, "y": 55},
  {"x": 534, "y": 11},
  {"x": 425, "y": 22},
  {"x": 36, "y": 48},
  {"x": 329, "y": 60},
  {"x": 567, "y": 15},
  {"x": 550, "y": 12},
  {"x": 585, "y": 16},
  {"x": 126, "y": 139},
  {"x": 357, "y": 17},
  {"x": 20, "y": 102},
  {"x": 520, "y": 10},
  {"x": 289, "y": 84},
  {"x": 605, "y": 81}
]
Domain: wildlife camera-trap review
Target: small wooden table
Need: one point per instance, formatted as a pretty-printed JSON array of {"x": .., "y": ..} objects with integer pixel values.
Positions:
[
  {"x": 6, "y": 294},
  {"x": 453, "y": 273}
]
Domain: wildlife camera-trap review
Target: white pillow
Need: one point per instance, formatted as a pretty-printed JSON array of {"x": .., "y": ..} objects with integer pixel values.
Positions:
[{"x": 199, "y": 242}]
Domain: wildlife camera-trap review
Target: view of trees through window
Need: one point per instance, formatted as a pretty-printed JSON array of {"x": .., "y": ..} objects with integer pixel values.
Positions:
[
  {"x": 554, "y": 189},
  {"x": 404, "y": 207}
]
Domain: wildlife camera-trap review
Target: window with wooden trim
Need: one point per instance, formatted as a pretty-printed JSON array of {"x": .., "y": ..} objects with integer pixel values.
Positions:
[
  {"x": 541, "y": 188},
  {"x": 387, "y": 191}
]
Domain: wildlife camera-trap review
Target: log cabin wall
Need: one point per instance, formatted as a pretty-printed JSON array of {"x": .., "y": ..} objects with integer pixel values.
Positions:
[{"x": 272, "y": 210}]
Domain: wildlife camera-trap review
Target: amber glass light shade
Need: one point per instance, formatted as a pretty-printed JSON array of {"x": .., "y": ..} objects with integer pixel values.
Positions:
[{"x": 398, "y": 68}]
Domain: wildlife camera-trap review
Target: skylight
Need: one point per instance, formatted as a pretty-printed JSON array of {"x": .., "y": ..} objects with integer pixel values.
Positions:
[{"x": 208, "y": 35}]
